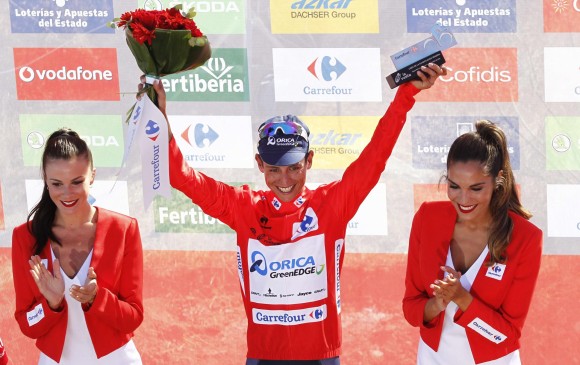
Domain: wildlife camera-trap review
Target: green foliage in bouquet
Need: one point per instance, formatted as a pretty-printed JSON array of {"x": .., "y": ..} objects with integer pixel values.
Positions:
[{"x": 163, "y": 42}]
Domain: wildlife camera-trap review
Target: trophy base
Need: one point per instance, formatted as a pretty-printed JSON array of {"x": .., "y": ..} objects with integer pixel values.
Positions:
[{"x": 409, "y": 72}]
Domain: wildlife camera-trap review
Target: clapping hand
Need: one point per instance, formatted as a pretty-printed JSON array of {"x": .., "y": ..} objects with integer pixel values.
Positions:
[
  {"x": 86, "y": 294},
  {"x": 50, "y": 286}
]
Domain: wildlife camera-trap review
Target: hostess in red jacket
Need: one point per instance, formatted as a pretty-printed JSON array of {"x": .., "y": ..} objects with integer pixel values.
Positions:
[
  {"x": 118, "y": 306},
  {"x": 493, "y": 321}
]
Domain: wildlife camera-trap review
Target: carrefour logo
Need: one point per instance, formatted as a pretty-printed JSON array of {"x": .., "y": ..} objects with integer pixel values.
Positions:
[
  {"x": 203, "y": 135},
  {"x": 317, "y": 314},
  {"x": 298, "y": 266},
  {"x": 329, "y": 68},
  {"x": 152, "y": 130},
  {"x": 29, "y": 74}
]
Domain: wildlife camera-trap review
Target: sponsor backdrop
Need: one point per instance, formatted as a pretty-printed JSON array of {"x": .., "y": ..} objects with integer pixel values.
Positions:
[{"x": 516, "y": 63}]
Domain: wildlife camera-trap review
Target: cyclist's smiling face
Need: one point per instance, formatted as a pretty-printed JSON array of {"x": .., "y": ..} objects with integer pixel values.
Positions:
[{"x": 287, "y": 182}]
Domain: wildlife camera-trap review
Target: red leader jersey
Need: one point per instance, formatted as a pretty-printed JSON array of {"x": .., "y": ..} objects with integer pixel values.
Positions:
[{"x": 290, "y": 254}]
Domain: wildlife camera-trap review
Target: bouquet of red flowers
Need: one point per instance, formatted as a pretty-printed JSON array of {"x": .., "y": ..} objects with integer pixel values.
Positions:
[{"x": 164, "y": 42}]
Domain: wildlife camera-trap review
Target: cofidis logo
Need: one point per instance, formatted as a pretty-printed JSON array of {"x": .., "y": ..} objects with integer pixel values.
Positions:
[
  {"x": 327, "y": 74},
  {"x": 432, "y": 138},
  {"x": 324, "y": 16},
  {"x": 215, "y": 16},
  {"x": 61, "y": 16},
  {"x": 462, "y": 16},
  {"x": 478, "y": 74},
  {"x": 561, "y": 15},
  {"x": 66, "y": 73},
  {"x": 224, "y": 77},
  {"x": 562, "y": 74}
]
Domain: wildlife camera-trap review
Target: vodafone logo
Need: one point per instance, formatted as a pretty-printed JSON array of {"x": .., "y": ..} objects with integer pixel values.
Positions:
[
  {"x": 477, "y": 74},
  {"x": 28, "y": 74},
  {"x": 66, "y": 74}
]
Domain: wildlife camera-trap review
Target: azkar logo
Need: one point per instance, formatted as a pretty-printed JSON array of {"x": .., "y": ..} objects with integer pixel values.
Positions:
[
  {"x": 152, "y": 130},
  {"x": 478, "y": 74},
  {"x": 66, "y": 73},
  {"x": 203, "y": 135},
  {"x": 309, "y": 223},
  {"x": 286, "y": 268},
  {"x": 328, "y": 68}
]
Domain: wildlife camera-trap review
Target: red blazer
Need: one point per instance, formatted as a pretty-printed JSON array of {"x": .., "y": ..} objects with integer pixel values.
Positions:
[
  {"x": 494, "y": 320},
  {"x": 118, "y": 307}
]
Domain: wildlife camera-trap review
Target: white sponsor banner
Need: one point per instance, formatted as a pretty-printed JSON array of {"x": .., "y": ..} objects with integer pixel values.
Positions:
[
  {"x": 288, "y": 273},
  {"x": 110, "y": 195},
  {"x": 563, "y": 212},
  {"x": 289, "y": 318},
  {"x": 214, "y": 141},
  {"x": 338, "y": 247},
  {"x": 327, "y": 74},
  {"x": 561, "y": 76},
  {"x": 487, "y": 331},
  {"x": 371, "y": 217},
  {"x": 153, "y": 137}
]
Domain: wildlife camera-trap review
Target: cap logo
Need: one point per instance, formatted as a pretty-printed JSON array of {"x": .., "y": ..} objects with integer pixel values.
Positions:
[{"x": 271, "y": 141}]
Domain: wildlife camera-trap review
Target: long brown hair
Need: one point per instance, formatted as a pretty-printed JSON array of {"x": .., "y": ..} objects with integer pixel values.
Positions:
[
  {"x": 63, "y": 144},
  {"x": 488, "y": 145}
]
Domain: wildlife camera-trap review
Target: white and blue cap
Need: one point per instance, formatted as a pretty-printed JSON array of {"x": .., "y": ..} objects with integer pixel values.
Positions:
[{"x": 283, "y": 140}]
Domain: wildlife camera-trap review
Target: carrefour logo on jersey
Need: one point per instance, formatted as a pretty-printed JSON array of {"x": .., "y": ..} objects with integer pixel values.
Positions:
[
  {"x": 432, "y": 138},
  {"x": 224, "y": 77},
  {"x": 66, "y": 73},
  {"x": 215, "y": 16},
  {"x": 478, "y": 74},
  {"x": 324, "y": 16},
  {"x": 327, "y": 74},
  {"x": 289, "y": 267},
  {"x": 61, "y": 16},
  {"x": 289, "y": 318},
  {"x": 491, "y": 16}
]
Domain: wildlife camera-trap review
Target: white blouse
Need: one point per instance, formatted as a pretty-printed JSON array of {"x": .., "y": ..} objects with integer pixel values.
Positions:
[
  {"x": 454, "y": 348},
  {"x": 78, "y": 347}
]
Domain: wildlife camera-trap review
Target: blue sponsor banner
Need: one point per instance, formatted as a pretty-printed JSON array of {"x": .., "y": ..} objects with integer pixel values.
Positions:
[
  {"x": 61, "y": 16},
  {"x": 462, "y": 16},
  {"x": 432, "y": 137}
]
